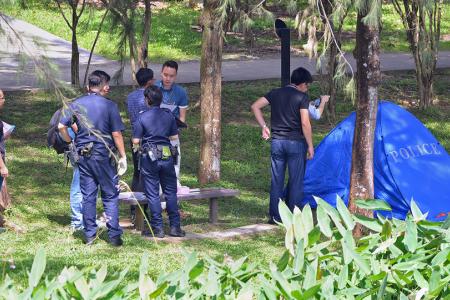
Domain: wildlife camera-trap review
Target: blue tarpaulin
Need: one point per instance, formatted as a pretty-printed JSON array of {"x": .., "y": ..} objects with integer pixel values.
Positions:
[{"x": 409, "y": 163}]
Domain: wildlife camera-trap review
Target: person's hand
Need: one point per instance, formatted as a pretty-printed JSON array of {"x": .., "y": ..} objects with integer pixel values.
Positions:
[
  {"x": 325, "y": 98},
  {"x": 310, "y": 153},
  {"x": 4, "y": 171},
  {"x": 122, "y": 166},
  {"x": 265, "y": 132}
]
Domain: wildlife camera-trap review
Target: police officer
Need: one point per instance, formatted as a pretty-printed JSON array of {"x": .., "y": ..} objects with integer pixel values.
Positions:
[
  {"x": 153, "y": 130},
  {"x": 99, "y": 132}
]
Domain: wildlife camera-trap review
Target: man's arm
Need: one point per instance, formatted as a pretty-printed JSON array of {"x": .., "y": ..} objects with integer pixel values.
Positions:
[
  {"x": 323, "y": 101},
  {"x": 118, "y": 141},
  {"x": 307, "y": 131},
  {"x": 257, "y": 111},
  {"x": 64, "y": 133},
  {"x": 183, "y": 114}
]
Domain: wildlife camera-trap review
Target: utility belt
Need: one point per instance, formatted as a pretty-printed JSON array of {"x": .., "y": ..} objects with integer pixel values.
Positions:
[
  {"x": 160, "y": 152},
  {"x": 88, "y": 149}
]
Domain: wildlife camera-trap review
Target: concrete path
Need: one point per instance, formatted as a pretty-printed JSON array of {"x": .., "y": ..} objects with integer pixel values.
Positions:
[{"x": 58, "y": 52}]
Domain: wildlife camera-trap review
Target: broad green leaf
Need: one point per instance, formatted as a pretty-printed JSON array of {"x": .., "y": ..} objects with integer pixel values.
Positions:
[
  {"x": 446, "y": 223},
  {"x": 441, "y": 257},
  {"x": 345, "y": 214},
  {"x": 146, "y": 285},
  {"x": 403, "y": 277},
  {"x": 410, "y": 239},
  {"x": 197, "y": 270},
  {"x": 212, "y": 287},
  {"x": 101, "y": 275},
  {"x": 359, "y": 260},
  {"x": 82, "y": 287},
  {"x": 298, "y": 224},
  {"x": 285, "y": 214},
  {"x": 283, "y": 284},
  {"x": 311, "y": 275},
  {"x": 370, "y": 223},
  {"x": 308, "y": 221},
  {"x": 38, "y": 268},
  {"x": 311, "y": 292},
  {"x": 314, "y": 236},
  {"x": 435, "y": 277},
  {"x": 331, "y": 211},
  {"x": 409, "y": 266},
  {"x": 289, "y": 240},
  {"x": 416, "y": 212},
  {"x": 403, "y": 296},
  {"x": 324, "y": 221},
  {"x": 283, "y": 262},
  {"x": 346, "y": 253},
  {"x": 421, "y": 282},
  {"x": 343, "y": 276},
  {"x": 373, "y": 204},
  {"x": 299, "y": 258},
  {"x": 245, "y": 294},
  {"x": 236, "y": 265},
  {"x": 386, "y": 230}
]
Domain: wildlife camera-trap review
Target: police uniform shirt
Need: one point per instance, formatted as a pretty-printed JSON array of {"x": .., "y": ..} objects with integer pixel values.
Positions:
[
  {"x": 155, "y": 126},
  {"x": 285, "y": 118},
  {"x": 174, "y": 98},
  {"x": 96, "y": 118}
]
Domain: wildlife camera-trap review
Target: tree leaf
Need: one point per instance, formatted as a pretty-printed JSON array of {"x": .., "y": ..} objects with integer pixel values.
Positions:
[
  {"x": 38, "y": 268},
  {"x": 311, "y": 275},
  {"x": 307, "y": 219},
  {"x": 441, "y": 257},
  {"x": 283, "y": 262},
  {"x": 421, "y": 282},
  {"x": 370, "y": 223},
  {"x": 314, "y": 236},
  {"x": 297, "y": 222},
  {"x": 212, "y": 287},
  {"x": 285, "y": 214},
  {"x": 382, "y": 289},
  {"x": 416, "y": 212},
  {"x": 373, "y": 205},
  {"x": 345, "y": 214},
  {"x": 343, "y": 276},
  {"x": 289, "y": 240},
  {"x": 299, "y": 258},
  {"x": 324, "y": 221},
  {"x": 410, "y": 239}
]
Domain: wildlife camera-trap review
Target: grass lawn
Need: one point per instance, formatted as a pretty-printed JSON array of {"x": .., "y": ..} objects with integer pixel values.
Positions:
[
  {"x": 173, "y": 38},
  {"x": 39, "y": 184}
]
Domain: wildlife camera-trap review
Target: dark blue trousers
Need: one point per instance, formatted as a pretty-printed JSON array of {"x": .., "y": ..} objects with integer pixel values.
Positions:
[
  {"x": 97, "y": 171},
  {"x": 153, "y": 174},
  {"x": 290, "y": 154}
]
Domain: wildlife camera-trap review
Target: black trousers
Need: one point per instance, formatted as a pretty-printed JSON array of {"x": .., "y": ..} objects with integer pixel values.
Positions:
[{"x": 137, "y": 184}]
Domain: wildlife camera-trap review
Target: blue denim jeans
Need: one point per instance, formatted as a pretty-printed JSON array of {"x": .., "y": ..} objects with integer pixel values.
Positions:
[
  {"x": 76, "y": 199},
  {"x": 290, "y": 154}
]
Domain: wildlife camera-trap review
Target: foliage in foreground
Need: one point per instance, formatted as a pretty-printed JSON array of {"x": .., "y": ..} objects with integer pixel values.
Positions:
[{"x": 397, "y": 260}]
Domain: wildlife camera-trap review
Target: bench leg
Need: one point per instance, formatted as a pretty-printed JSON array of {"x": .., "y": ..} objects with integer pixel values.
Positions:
[
  {"x": 139, "y": 222},
  {"x": 213, "y": 210}
]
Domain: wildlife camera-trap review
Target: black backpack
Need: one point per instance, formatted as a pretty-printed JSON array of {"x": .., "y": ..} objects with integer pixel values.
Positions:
[{"x": 54, "y": 139}]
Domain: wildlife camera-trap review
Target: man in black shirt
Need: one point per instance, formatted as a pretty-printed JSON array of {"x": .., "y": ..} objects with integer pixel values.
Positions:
[{"x": 291, "y": 138}]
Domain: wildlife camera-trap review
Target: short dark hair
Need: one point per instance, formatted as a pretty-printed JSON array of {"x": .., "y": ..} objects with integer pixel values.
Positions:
[
  {"x": 143, "y": 76},
  {"x": 98, "y": 78},
  {"x": 170, "y": 64},
  {"x": 153, "y": 95},
  {"x": 301, "y": 75}
]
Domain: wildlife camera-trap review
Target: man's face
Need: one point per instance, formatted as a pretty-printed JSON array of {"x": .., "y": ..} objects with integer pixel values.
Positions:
[
  {"x": 2, "y": 99},
  {"x": 168, "y": 75},
  {"x": 303, "y": 87},
  {"x": 105, "y": 89}
]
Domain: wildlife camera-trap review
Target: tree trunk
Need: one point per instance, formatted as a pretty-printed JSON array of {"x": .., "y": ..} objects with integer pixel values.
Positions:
[
  {"x": 368, "y": 78},
  {"x": 75, "y": 61},
  {"x": 210, "y": 93},
  {"x": 143, "y": 48},
  {"x": 330, "y": 109}
]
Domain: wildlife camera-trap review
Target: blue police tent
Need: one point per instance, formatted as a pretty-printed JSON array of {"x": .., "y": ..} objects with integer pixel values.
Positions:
[{"x": 409, "y": 163}]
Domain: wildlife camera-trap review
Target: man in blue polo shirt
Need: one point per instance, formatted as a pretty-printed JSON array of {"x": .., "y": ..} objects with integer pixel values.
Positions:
[
  {"x": 153, "y": 130},
  {"x": 99, "y": 130},
  {"x": 136, "y": 105},
  {"x": 174, "y": 98}
]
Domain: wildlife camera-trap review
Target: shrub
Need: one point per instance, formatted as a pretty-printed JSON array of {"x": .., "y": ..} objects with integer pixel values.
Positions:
[{"x": 397, "y": 260}]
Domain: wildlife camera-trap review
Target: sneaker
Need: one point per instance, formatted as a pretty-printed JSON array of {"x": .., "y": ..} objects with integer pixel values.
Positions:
[
  {"x": 116, "y": 241},
  {"x": 177, "y": 232}
]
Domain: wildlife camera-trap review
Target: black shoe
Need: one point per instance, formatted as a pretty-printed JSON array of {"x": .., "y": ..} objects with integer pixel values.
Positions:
[
  {"x": 89, "y": 240},
  {"x": 273, "y": 222},
  {"x": 158, "y": 233},
  {"x": 177, "y": 232},
  {"x": 116, "y": 241}
]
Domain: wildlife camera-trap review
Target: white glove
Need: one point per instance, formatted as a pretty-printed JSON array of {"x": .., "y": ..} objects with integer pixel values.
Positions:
[{"x": 122, "y": 166}]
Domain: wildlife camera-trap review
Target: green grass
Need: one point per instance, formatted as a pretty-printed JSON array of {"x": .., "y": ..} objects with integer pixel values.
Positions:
[
  {"x": 173, "y": 38},
  {"x": 39, "y": 184}
]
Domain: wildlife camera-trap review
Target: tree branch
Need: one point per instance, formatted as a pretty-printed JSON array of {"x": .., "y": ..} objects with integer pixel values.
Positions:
[{"x": 62, "y": 13}]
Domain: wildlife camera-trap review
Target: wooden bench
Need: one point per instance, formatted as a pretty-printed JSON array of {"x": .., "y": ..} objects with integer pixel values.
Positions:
[{"x": 212, "y": 194}]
